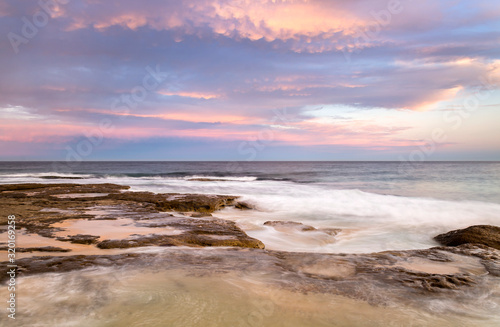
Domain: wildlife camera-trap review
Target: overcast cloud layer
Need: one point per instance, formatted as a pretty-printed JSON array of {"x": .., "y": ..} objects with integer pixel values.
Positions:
[{"x": 249, "y": 80}]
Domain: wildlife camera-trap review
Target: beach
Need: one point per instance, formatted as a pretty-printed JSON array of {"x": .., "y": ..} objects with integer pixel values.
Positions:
[{"x": 116, "y": 253}]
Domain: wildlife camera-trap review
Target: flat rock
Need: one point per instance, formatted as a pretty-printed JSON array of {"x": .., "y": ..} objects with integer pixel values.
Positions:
[
  {"x": 200, "y": 203},
  {"x": 379, "y": 278},
  {"x": 202, "y": 232},
  {"x": 79, "y": 239},
  {"x": 38, "y": 249},
  {"x": 38, "y": 206},
  {"x": 471, "y": 263}
]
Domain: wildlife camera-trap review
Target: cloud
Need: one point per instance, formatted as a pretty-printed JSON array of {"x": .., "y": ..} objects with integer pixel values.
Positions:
[
  {"x": 301, "y": 21},
  {"x": 195, "y": 95},
  {"x": 230, "y": 65}
]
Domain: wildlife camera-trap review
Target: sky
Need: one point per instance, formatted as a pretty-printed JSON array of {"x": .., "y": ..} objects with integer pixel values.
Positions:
[{"x": 246, "y": 80}]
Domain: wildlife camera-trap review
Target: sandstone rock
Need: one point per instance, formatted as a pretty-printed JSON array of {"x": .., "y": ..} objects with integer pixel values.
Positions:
[
  {"x": 243, "y": 206},
  {"x": 200, "y": 215},
  {"x": 481, "y": 234},
  {"x": 178, "y": 202},
  {"x": 79, "y": 239},
  {"x": 378, "y": 278},
  {"x": 197, "y": 232},
  {"x": 38, "y": 249},
  {"x": 372, "y": 277}
]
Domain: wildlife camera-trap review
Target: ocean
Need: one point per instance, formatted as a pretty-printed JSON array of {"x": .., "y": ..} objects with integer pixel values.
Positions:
[{"x": 378, "y": 205}]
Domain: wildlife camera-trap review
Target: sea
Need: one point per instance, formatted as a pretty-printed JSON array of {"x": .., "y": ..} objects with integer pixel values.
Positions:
[{"x": 378, "y": 205}]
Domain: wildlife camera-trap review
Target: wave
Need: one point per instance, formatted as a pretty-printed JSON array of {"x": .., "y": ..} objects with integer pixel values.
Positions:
[
  {"x": 138, "y": 176},
  {"x": 48, "y": 175},
  {"x": 191, "y": 178},
  {"x": 221, "y": 178},
  {"x": 369, "y": 222}
]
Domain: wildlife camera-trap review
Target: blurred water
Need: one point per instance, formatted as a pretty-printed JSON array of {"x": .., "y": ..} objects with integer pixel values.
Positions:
[
  {"x": 378, "y": 205},
  {"x": 443, "y": 180}
]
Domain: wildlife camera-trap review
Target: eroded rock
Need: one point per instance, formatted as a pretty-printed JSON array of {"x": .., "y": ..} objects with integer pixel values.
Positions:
[
  {"x": 197, "y": 232},
  {"x": 178, "y": 202},
  {"x": 379, "y": 278},
  {"x": 244, "y": 206},
  {"x": 372, "y": 277},
  {"x": 38, "y": 206},
  {"x": 38, "y": 249},
  {"x": 79, "y": 239},
  {"x": 481, "y": 234}
]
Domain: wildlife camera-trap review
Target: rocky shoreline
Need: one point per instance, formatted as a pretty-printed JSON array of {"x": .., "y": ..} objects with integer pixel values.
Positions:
[
  {"x": 38, "y": 206},
  {"x": 470, "y": 261}
]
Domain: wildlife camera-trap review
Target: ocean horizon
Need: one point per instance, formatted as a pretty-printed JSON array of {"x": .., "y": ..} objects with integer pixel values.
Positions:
[{"x": 402, "y": 207}]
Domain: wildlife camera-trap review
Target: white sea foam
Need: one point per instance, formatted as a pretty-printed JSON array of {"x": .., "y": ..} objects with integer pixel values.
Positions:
[
  {"x": 196, "y": 178},
  {"x": 370, "y": 222},
  {"x": 223, "y": 178},
  {"x": 44, "y": 175}
]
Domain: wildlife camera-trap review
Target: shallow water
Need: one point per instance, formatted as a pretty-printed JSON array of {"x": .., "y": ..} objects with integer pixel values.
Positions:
[
  {"x": 28, "y": 240},
  {"x": 378, "y": 205},
  {"x": 468, "y": 265},
  {"x": 106, "y": 229},
  {"x": 181, "y": 297},
  {"x": 110, "y": 229}
]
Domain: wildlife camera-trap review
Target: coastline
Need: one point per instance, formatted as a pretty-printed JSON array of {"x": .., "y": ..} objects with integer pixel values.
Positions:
[{"x": 151, "y": 230}]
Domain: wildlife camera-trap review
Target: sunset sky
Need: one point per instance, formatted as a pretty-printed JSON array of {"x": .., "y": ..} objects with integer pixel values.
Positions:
[{"x": 249, "y": 80}]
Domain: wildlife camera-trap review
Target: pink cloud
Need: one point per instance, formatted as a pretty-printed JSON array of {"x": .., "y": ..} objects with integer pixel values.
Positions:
[{"x": 311, "y": 25}]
